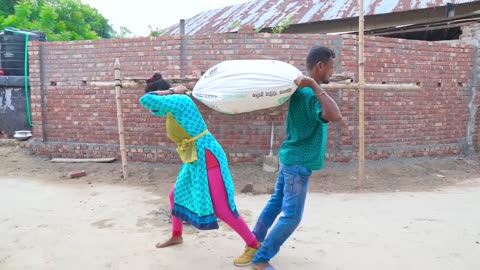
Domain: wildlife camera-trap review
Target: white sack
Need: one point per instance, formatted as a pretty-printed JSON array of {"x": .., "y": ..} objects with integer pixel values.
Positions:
[{"x": 239, "y": 86}]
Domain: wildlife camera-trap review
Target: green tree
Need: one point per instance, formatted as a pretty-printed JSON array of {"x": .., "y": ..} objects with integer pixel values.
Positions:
[
  {"x": 156, "y": 32},
  {"x": 284, "y": 24},
  {"x": 123, "y": 32},
  {"x": 6, "y": 7},
  {"x": 59, "y": 19}
]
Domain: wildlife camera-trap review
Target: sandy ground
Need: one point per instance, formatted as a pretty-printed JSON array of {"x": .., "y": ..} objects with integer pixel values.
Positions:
[
  {"x": 46, "y": 225},
  {"x": 410, "y": 214}
]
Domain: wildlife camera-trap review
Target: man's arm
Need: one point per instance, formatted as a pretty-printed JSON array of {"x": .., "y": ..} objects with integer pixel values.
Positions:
[{"x": 330, "y": 110}]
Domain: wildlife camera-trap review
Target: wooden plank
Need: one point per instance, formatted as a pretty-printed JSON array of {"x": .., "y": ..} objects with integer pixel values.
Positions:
[{"x": 83, "y": 160}]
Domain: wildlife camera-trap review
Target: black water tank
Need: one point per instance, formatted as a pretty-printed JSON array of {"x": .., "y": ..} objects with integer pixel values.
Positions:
[{"x": 12, "y": 49}]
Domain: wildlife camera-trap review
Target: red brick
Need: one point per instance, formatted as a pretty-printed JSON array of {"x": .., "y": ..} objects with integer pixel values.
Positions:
[{"x": 77, "y": 174}]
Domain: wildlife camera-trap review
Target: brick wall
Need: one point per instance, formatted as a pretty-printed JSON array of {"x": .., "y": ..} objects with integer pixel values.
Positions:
[
  {"x": 432, "y": 121},
  {"x": 73, "y": 119}
]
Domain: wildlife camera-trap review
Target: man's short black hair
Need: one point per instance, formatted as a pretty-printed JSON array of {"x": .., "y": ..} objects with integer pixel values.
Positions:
[{"x": 318, "y": 54}]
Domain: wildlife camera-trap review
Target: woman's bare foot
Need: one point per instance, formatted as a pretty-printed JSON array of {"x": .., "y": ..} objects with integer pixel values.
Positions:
[{"x": 175, "y": 240}]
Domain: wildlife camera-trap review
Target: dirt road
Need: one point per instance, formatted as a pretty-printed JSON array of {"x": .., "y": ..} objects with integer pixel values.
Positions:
[{"x": 77, "y": 225}]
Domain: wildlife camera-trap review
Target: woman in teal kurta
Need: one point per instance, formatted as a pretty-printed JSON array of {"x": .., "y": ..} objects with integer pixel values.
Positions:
[{"x": 204, "y": 188}]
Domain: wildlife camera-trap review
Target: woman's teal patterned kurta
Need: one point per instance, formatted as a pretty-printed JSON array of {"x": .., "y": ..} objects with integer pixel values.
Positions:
[{"x": 192, "y": 200}]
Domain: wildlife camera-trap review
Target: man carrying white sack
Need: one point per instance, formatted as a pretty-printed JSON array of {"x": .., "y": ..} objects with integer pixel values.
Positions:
[{"x": 309, "y": 112}]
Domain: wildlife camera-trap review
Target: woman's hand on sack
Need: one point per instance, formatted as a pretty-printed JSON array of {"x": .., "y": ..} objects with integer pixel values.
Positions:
[
  {"x": 180, "y": 89},
  {"x": 302, "y": 81}
]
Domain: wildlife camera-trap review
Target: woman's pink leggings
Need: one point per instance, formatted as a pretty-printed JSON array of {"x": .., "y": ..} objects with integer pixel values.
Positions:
[{"x": 221, "y": 208}]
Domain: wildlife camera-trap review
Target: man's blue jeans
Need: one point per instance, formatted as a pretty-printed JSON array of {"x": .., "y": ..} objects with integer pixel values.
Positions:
[{"x": 289, "y": 198}]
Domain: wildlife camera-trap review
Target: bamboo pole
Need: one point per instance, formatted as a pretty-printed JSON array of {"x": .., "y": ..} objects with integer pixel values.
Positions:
[
  {"x": 372, "y": 86},
  {"x": 330, "y": 86},
  {"x": 130, "y": 85},
  {"x": 361, "y": 95},
  {"x": 121, "y": 132},
  {"x": 337, "y": 77}
]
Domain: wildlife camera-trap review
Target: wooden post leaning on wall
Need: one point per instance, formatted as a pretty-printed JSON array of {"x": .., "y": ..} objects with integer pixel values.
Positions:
[{"x": 121, "y": 131}]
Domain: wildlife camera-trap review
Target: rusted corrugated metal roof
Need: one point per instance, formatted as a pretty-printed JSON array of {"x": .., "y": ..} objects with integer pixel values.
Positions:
[{"x": 269, "y": 13}]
